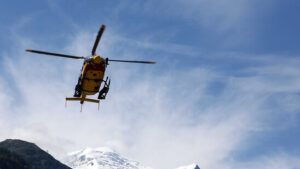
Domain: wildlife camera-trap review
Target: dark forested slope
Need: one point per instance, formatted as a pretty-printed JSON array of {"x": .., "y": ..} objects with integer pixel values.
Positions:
[{"x": 28, "y": 155}]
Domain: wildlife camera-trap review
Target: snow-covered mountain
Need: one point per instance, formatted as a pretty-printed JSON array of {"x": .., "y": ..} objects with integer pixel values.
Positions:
[
  {"x": 100, "y": 158},
  {"x": 105, "y": 158},
  {"x": 192, "y": 166}
]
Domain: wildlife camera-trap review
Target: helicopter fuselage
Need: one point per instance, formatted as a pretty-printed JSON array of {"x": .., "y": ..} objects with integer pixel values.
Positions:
[
  {"x": 91, "y": 77},
  {"x": 90, "y": 80}
]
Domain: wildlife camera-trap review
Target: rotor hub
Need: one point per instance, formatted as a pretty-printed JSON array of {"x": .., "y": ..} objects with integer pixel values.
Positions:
[{"x": 97, "y": 59}]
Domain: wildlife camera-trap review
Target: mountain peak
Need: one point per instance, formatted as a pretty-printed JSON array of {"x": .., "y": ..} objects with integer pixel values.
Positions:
[
  {"x": 16, "y": 143},
  {"x": 90, "y": 151},
  {"x": 192, "y": 166},
  {"x": 99, "y": 158}
]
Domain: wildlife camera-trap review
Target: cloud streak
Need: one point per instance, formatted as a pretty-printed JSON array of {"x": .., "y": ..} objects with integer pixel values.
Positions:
[{"x": 164, "y": 115}]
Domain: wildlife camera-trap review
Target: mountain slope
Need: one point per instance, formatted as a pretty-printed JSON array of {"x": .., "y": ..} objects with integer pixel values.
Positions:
[
  {"x": 9, "y": 160},
  {"x": 32, "y": 154},
  {"x": 100, "y": 158}
]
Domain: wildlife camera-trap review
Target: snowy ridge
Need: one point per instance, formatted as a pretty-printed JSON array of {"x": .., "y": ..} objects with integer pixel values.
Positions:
[
  {"x": 100, "y": 158},
  {"x": 192, "y": 166}
]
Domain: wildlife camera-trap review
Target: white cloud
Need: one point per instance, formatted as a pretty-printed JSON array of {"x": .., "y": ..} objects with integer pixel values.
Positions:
[{"x": 6, "y": 101}]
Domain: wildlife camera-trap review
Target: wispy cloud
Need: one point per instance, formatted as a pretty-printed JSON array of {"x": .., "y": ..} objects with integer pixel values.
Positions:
[
  {"x": 164, "y": 120},
  {"x": 165, "y": 117},
  {"x": 277, "y": 161}
]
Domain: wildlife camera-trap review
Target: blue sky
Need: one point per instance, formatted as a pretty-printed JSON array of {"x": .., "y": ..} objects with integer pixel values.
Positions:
[{"x": 224, "y": 93}]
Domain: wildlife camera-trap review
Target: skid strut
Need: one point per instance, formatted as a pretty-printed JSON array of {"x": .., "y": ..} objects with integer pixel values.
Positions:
[{"x": 103, "y": 92}]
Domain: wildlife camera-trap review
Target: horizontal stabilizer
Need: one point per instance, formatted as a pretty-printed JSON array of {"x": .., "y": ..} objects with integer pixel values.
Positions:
[{"x": 82, "y": 99}]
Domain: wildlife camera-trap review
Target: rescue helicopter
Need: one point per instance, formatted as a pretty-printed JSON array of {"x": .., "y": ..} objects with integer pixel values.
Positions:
[{"x": 92, "y": 73}]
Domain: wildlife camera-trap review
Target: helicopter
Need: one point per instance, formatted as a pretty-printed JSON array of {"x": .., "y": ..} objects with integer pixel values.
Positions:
[{"x": 92, "y": 73}]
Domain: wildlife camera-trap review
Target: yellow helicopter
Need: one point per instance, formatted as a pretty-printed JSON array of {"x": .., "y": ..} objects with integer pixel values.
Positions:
[{"x": 92, "y": 73}]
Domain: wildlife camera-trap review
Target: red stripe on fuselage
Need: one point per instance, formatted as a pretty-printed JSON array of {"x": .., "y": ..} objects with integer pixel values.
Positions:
[
  {"x": 94, "y": 67},
  {"x": 97, "y": 67}
]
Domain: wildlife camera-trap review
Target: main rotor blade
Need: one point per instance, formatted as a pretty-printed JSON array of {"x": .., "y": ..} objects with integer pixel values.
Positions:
[
  {"x": 132, "y": 61},
  {"x": 54, "y": 54},
  {"x": 98, "y": 39}
]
